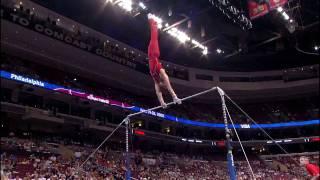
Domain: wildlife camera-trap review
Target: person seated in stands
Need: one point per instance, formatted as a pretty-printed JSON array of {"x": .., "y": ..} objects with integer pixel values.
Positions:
[
  {"x": 157, "y": 72},
  {"x": 312, "y": 169}
]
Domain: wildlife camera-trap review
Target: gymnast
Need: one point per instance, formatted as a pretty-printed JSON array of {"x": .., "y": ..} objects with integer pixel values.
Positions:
[{"x": 159, "y": 75}]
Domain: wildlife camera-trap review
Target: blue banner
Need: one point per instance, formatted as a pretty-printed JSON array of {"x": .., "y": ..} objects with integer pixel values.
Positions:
[{"x": 91, "y": 97}]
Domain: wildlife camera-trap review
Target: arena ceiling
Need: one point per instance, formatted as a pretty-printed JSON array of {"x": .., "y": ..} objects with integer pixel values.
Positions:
[{"x": 269, "y": 44}]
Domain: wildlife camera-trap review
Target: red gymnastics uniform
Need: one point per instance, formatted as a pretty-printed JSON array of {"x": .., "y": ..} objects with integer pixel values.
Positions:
[
  {"x": 154, "y": 52},
  {"x": 312, "y": 169}
]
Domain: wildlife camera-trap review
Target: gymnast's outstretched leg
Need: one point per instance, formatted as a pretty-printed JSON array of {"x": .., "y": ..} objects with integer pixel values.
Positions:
[
  {"x": 157, "y": 72},
  {"x": 167, "y": 84}
]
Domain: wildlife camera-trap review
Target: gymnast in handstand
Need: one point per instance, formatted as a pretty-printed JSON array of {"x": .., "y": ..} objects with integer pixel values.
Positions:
[{"x": 159, "y": 75}]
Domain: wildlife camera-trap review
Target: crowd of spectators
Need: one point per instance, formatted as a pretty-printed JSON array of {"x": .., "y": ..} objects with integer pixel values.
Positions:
[
  {"x": 287, "y": 163},
  {"x": 42, "y": 159},
  {"x": 34, "y": 159},
  {"x": 22, "y": 158}
]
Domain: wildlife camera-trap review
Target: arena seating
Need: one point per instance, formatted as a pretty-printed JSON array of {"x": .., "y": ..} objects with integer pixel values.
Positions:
[
  {"x": 44, "y": 157},
  {"x": 28, "y": 158}
]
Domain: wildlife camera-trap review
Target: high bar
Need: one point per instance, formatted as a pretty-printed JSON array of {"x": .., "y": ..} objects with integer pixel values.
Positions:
[{"x": 183, "y": 99}]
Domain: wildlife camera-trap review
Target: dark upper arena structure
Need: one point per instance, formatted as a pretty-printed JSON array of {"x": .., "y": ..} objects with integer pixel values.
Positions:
[{"x": 271, "y": 43}]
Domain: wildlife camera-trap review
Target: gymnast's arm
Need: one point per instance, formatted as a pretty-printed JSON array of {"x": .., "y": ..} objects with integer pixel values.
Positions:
[{"x": 159, "y": 95}]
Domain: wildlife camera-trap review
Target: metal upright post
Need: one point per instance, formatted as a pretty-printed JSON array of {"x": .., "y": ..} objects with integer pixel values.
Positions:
[
  {"x": 231, "y": 167},
  {"x": 128, "y": 170}
]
